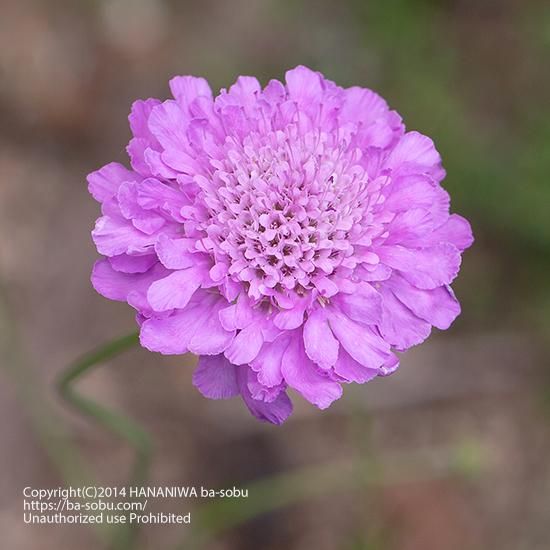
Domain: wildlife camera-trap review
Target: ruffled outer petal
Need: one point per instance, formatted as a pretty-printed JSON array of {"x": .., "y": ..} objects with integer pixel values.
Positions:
[
  {"x": 301, "y": 374},
  {"x": 117, "y": 285},
  {"x": 246, "y": 345},
  {"x": 269, "y": 360},
  {"x": 351, "y": 371},
  {"x": 304, "y": 85},
  {"x": 216, "y": 378},
  {"x": 415, "y": 152},
  {"x": 175, "y": 290},
  {"x": 399, "y": 326},
  {"x": 426, "y": 267},
  {"x": 320, "y": 345},
  {"x": 103, "y": 184},
  {"x": 360, "y": 341},
  {"x": 195, "y": 329},
  {"x": 437, "y": 306},
  {"x": 275, "y": 412}
]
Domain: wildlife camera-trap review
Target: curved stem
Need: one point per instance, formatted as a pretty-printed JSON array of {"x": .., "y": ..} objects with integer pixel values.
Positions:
[{"x": 117, "y": 424}]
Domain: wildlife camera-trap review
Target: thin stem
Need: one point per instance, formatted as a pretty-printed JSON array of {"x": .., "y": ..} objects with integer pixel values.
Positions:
[{"x": 117, "y": 424}]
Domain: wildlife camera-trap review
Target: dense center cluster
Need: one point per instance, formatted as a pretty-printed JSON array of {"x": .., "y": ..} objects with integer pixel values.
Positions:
[{"x": 282, "y": 207}]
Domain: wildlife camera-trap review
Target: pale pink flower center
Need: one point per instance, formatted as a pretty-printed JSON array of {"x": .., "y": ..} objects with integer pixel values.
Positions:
[{"x": 283, "y": 206}]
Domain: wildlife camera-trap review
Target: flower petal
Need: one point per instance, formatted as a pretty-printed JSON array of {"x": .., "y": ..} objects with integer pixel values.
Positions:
[
  {"x": 216, "y": 378},
  {"x": 210, "y": 337},
  {"x": 174, "y": 253},
  {"x": 171, "y": 335},
  {"x": 425, "y": 268},
  {"x": 116, "y": 285},
  {"x": 246, "y": 345},
  {"x": 133, "y": 264},
  {"x": 103, "y": 184},
  {"x": 456, "y": 230},
  {"x": 175, "y": 290},
  {"x": 303, "y": 84},
  {"x": 320, "y": 345},
  {"x": 268, "y": 361},
  {"x": 168, "y": 124},
  {"x": 360, "y": 341},
  {"x": 187, "y": 88},
  {"x": 113, "y": 235},
  {"x": 416, "y": 151},
  {"x": 438, "y": 306},
  {"x": 350, "y": 370},
  {"x": 301, "y": 374},
  {"x": 139, "y": 118},
  {"x": 196, "y": 329},
  {"x": 275, "y": 412},
  {"x": 361, "y": 104},
  {"x": 363, "y": 306},
  {"x": 400, "y": 326}
]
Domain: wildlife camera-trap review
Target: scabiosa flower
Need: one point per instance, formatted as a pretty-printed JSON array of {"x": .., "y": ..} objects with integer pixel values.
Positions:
[{"x": 293, "y": 236}]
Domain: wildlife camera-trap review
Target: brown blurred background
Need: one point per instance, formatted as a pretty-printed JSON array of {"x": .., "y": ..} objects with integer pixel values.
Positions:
[{"x": 456, "y": 442}]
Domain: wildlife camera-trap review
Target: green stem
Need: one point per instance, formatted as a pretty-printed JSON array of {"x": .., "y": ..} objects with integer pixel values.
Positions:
[{"x": 117, "y": 424}]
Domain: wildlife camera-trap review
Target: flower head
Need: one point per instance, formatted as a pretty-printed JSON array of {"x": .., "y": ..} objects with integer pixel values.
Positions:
[{"x": 293, "y": 236}]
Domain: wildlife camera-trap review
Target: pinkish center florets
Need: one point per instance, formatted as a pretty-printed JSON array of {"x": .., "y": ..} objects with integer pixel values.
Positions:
[{"x": 283, "y": 207}]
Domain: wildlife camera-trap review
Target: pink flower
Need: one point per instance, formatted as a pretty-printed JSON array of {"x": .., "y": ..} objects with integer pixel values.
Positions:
[{"x": 291, "y": 236}]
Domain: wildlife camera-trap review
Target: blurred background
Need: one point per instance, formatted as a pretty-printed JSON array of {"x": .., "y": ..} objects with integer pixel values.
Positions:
[{"x": 450, "y": 452}]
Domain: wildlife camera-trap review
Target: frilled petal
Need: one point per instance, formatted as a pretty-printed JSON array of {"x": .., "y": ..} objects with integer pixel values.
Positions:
[
  {"x": 289, "y": 319},
  {"x": 360, "y": 341},
  {"x": 415, "y": 151},
  {"x": 246, "y": 345},
  {"x": 413, "y": 191},
  {"x": 260, "y": 391},
  {"x": 303, "y": 84},
  {"x": 113, "y": 235},
  {"x": 243, "y": 94},
  {"x": 400, "y": 326},
  {"x": 275, "y": 412},
  {"x": 438, "y": 306},
  {"x": 301, "y": 374},
  {"x": 136, "y": 151},
  {"x": 216, "y": 378},
  {"x": 196, "y": 329},
  {"x": 210, "y": 337},
  {"x": 103, "y": 184},
  {"x": 362, "y": 105},
  {"x": 175, "y": 290},
  {"x": 269, "y": 360},
  {"x": 390, "y": 366},
  {"x": 456, "y": 230},
  {"x": 171, "y": 335},
  {"x": 320, "y": 345},
  {"x": 139, "y": 118},
  {"x": 168, "y": 124},
  {"x": 133, "y": 264},
  {"x": 428, "y": 267},
  {"x": 146, "y": 221},
  {"x": 351, "y": 371},
  {"x": 364, "y": 305},
  {"x": 186, "y": 89},
  {"x": 175, "y": 253},
  {"x": 116, "y": 285}
]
